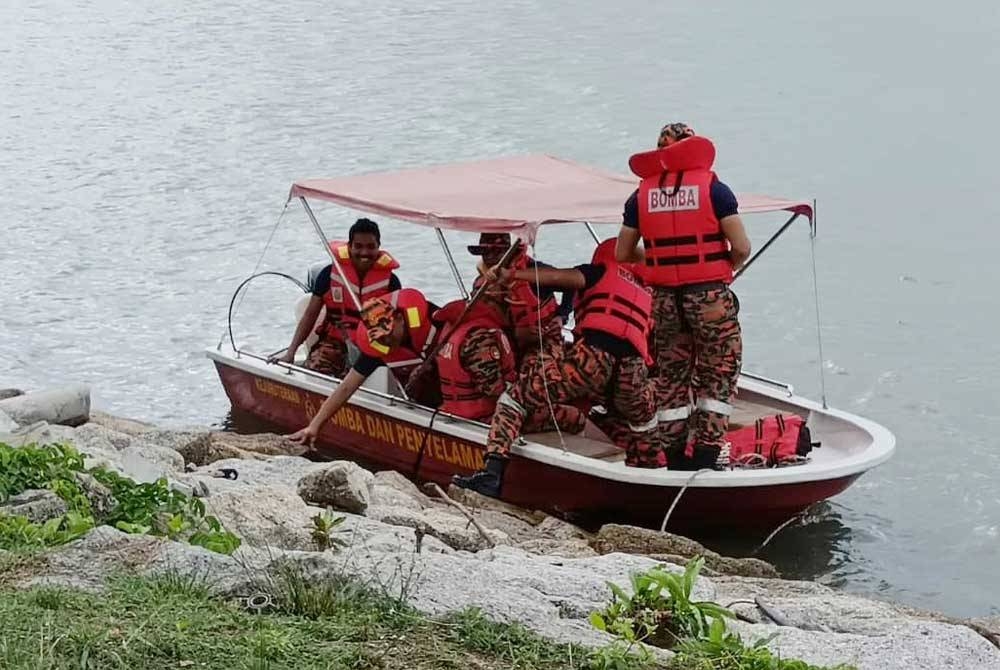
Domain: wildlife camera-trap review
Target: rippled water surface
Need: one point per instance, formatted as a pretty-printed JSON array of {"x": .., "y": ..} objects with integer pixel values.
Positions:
[{"x": 146, "y": 150}]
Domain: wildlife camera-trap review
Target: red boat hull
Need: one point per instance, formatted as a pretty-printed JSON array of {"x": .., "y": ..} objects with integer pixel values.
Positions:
[{"x": 390, "y": 443}]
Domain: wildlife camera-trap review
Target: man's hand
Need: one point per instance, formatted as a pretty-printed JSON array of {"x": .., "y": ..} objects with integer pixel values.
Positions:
[
  {"x": 306, "y": 436},
  {"x": 287, "y": 357}
]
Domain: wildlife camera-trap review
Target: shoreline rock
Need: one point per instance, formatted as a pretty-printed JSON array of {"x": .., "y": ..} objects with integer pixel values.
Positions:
[{"x": 543, "y": 572}]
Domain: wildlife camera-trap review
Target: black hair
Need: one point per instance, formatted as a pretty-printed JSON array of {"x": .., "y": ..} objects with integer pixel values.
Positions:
[{"x": 364, "y": 226}]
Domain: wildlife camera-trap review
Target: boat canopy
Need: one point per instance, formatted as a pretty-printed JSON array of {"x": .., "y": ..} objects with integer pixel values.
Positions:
[{"x": 515, "y": 194}]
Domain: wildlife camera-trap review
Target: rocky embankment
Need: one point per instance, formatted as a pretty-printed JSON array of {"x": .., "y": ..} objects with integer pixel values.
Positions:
[{"x": 515, "y": 565}]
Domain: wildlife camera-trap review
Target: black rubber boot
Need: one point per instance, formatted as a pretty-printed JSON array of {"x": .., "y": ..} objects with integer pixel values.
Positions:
[
  {"x": 488, "y": 480},
  {"x": 705, "y": 457},
  {"x": 677, "y": 459}
]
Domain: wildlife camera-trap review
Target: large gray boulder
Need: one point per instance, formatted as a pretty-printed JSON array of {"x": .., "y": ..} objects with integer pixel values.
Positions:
[
  {"x": 36, "y": 505},
  {"x": 265, "y": 516},
  {"x": 392, "y": 490},
  {"x": 69, "y": 405},
  {"x": 614, "y": 537},
  {"x": 341, "y": 484}
]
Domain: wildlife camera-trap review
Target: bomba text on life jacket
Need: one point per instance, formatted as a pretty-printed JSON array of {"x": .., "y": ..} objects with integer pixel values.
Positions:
[{"x": 665, "y": 200}]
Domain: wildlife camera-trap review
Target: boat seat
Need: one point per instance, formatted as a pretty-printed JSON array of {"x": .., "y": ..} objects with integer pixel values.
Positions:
[{"x": 578, "y": 444}]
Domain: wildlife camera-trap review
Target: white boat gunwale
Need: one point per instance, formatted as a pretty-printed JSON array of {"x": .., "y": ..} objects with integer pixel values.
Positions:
[{"x": 879, "y": 449}]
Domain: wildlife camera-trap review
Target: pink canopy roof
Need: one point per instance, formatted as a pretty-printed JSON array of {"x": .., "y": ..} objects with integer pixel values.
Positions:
[{"x": 505, "y": 194}]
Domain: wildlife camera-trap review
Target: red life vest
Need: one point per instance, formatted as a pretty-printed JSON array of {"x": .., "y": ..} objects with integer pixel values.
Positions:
[
  {"x": 618, "y": 304},
  {"x": 526, "y": 310},
  {"x": 341, "y": 311},
  {"x": 417, "y": 325},
  {"x": 461, "y": 394},
  {"x": 682, "y": 237},
  {"x": 780, "y": 439}
]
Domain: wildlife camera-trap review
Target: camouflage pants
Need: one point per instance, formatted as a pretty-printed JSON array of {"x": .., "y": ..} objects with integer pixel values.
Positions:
[
  {"x": 632, "y": 384},
  {"x": 329, "y": 356},
  {"x": 582, "y": 377},
  {"x": 533, "y": 364},
  {"x": 698, "y": 350}
]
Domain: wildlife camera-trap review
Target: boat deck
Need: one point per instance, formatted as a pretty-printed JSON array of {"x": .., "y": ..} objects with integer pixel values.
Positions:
[{"x": 593, "y": 444}]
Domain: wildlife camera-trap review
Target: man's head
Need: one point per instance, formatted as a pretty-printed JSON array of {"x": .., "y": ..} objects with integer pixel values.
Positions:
[
  {"x": 673, "y": 132},
  {"x": 363, "y": 241},
  {"x": 382, "y": 322},
  {"x": 492, "y": 247}
]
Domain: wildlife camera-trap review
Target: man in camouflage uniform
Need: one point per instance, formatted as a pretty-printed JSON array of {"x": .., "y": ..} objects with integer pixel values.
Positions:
[
  {"x": 475, "y": 361},
  {"x": 693, "y": 240},
  {"x": 606, "y": 364},
  {"x": 526, "y": 308}
]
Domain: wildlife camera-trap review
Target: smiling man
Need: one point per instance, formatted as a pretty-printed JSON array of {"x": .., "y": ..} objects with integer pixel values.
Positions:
[{"x": 369, "y": 273}]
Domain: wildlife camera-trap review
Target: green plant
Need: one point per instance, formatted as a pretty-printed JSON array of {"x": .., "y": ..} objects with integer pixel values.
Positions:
[
  {"x": 724, "y": 650},
  {"x": 619, "y": 655},
  {"x": 17, "y": 532},
  {"x": 323, "y": 525},
  {"x": 147, "y": 508},
  {"x": 660, "y": 610}
]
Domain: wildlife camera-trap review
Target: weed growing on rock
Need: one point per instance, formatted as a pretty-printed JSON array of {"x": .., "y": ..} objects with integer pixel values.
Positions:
[
  {"x": 661, "y": 613},
  {"x": 323, "y": 526},
  {"x": 723, "y": 650},
  {"x": 149, "y": 508}
]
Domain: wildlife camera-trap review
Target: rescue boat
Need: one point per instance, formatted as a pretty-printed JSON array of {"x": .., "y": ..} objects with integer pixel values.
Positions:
[{"x": 581, "y": 477}]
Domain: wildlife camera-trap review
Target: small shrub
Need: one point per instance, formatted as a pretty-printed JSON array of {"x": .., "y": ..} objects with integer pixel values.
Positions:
[
  {"x": 723, "y": 650},
  {"x": 323, "y": 526},
  {"x": 148, "y": 508},
  {"x": 660, "y": 610}
]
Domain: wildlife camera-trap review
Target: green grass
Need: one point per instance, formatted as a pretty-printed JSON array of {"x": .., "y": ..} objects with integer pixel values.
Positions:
[{"x": 174, "y": 622}]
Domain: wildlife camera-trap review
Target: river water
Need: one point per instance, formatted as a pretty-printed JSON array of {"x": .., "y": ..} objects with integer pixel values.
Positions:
[{"x": 146, "y": 150}]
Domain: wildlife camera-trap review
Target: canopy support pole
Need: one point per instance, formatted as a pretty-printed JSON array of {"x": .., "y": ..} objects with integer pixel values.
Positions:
[
  {"x": 333, "y": 259},
  {"x": 819, "y": 332},
  {"x": 593, "y": 233},
  {"x": 451, "y": 262},
  {"x": 335, "y": 264},
  {"x": 767, "y": 244}
]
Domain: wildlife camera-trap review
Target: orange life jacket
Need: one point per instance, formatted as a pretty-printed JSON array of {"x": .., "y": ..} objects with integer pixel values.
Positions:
[
  {"x": 341, "y": 311},
  {"x": 417, "y": 325},
  {"x": 618, "y": 304},
  {"x": 771, "y": 441},
  {"x": 683, "y": 239},
  {"x": 461, "y": 393}
]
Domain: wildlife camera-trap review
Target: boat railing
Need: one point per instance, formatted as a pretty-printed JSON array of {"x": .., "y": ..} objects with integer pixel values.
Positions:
[{"x": 789, "y": 389}]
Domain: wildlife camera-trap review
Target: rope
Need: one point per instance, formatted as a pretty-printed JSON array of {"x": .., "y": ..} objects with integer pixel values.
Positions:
[
  {"x": 780, "y": 528},
  {"x": 663, "y": 526},
  {"x": 423, "y": 443},
  {"x": 541, "y": 358},
  {"x": 819, "y": 334},
  {"x": 253, "y": 273}
]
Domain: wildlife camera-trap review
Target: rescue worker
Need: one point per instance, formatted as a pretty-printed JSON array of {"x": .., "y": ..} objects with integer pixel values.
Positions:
[
  {"x": 606, "y": 364},
  {"x": 369, "y": 273},
  {"x": 395, "y": 330},
  {"x": 536, "y": 322},
  {"x": 693, "y": 240},
  {"x": 476, "y": 360}
]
